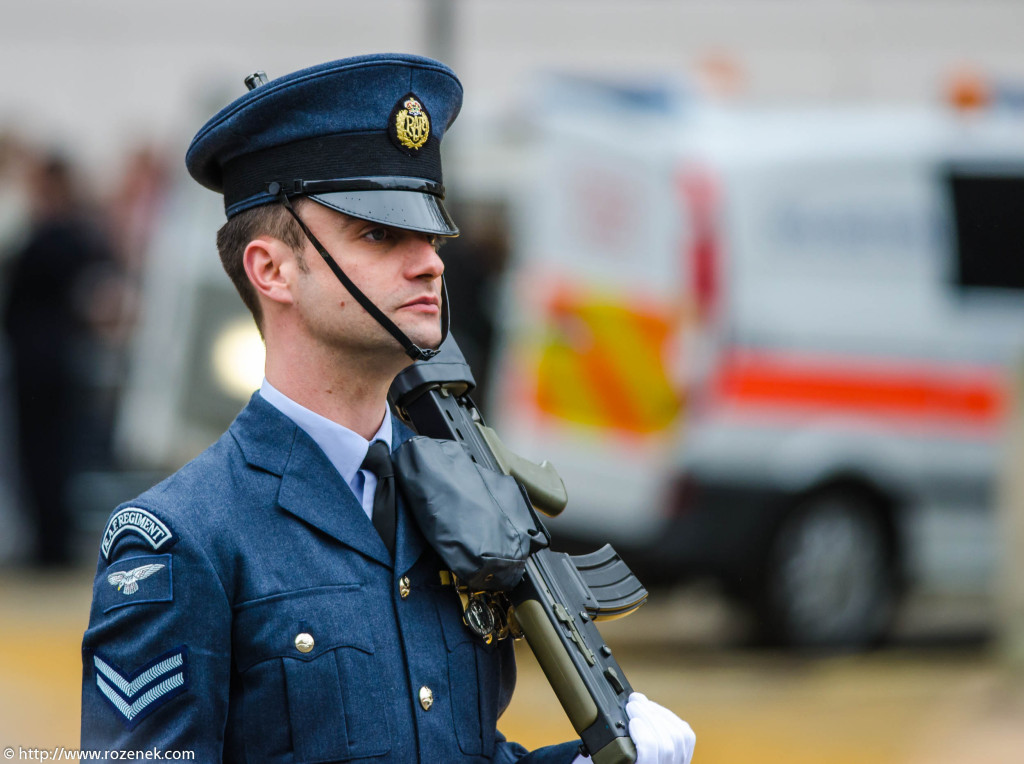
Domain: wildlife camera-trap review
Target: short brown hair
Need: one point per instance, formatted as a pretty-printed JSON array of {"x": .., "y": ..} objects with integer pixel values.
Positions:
[{"x": 234, "y": 236}]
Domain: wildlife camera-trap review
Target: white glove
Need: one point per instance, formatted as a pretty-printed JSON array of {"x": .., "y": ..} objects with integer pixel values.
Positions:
[{"x": 660, "y": 736}]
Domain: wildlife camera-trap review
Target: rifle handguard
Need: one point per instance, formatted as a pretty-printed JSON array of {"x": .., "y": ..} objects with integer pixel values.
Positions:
[{"x": 542, "y": 482}]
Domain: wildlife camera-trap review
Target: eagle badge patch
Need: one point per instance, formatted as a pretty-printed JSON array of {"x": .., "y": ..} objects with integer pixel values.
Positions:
[
  {"x": 135, "y": 580},
  {"x": 127, "y": 581}
]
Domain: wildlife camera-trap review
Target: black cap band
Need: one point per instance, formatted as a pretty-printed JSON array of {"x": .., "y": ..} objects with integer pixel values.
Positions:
[{"x": 331, "y": 157}]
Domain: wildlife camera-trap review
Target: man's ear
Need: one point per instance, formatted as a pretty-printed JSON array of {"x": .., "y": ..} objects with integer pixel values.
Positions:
[{"x": 264, "y": 260}]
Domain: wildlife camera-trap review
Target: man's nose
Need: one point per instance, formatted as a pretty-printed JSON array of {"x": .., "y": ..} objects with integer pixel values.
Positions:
[{"x": 424, "y": 259}]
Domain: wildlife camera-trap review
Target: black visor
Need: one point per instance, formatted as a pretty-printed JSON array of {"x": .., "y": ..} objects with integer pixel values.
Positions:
[{"x": 411, "y": 210}]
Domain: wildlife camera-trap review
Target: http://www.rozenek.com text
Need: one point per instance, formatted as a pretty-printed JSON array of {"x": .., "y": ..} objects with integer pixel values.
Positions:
[{"x": 59, "y": 753}]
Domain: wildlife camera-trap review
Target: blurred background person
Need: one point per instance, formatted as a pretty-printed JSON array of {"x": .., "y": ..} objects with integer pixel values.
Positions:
[
  {"x": 51, "y": 308},
  {"x": 13, "y": 202},
  {"x": 135, "y": 205},
  {"x": 13, "y": 224}
]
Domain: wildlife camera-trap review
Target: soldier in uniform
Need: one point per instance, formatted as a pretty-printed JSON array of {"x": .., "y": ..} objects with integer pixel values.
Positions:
[{"x": 272, "y": 601}]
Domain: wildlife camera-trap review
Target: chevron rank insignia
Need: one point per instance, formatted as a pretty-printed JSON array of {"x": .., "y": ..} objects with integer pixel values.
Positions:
[
  {"x": 135, "y": 581},
  {"x": 135, "y": 695}
]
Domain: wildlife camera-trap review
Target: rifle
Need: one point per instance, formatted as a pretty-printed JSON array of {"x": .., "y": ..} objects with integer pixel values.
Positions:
[{"x": 560, "y": 596}]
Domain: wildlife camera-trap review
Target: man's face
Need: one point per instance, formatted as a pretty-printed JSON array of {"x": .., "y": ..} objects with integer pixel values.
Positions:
[{"x": 398, "y": 270}]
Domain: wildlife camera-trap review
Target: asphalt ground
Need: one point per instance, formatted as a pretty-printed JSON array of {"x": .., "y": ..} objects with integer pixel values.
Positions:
[{"x": 938, "y": 694}]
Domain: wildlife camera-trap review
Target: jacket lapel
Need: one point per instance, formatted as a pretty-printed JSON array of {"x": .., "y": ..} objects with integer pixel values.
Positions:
[{"x": 311, "y": 489}]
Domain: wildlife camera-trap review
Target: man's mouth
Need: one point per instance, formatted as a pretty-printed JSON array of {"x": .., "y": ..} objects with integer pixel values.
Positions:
[{"x": 424, "y": 304}]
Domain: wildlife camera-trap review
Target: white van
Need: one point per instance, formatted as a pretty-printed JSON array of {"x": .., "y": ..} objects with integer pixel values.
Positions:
[{"x": 771, "y": 347}]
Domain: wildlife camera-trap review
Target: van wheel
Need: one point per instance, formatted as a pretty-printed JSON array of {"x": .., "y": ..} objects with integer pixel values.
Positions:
[{"x": 829, "y": 576}]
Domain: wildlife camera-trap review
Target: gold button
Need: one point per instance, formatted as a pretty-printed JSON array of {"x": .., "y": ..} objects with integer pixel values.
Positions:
[
  {"x": 426, "y": 698},
  {"x": 404, "y": 586},
  {"x": 304, "y": 642}
]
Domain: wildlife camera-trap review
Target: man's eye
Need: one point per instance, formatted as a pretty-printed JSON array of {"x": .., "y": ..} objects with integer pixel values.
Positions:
[{"x": 377, "y": 234}]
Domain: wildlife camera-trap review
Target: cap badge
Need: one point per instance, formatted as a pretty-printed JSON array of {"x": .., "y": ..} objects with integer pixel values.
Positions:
[{"x": 410, "y": 124}]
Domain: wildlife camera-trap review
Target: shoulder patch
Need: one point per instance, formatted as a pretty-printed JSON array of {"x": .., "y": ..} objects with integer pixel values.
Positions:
[
  {"x": 136, "y": 580},
  {"x": 140, "y": 522},
  {"x": 135, "y": 695}
]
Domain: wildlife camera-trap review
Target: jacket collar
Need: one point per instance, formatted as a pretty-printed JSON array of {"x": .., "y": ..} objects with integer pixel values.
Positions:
[{"x": 311, "y": 488}]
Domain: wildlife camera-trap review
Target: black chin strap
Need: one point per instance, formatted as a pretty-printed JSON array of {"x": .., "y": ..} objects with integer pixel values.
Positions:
[{"x": 412, "y": 350}]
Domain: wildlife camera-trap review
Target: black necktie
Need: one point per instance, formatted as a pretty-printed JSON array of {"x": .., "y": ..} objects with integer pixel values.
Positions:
[{"x": 378, "y": 461}]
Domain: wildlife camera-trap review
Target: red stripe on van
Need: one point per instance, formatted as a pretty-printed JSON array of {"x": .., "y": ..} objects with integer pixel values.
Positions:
[{"x": 864, "y": 387}]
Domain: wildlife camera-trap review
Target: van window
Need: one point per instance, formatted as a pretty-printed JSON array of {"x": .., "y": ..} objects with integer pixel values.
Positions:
[{"x": 989, "y": 229}]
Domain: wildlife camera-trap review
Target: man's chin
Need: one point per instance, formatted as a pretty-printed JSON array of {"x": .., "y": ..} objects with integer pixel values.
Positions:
[
  {"x": 425, "y": 337},
  {"x": 428, "y": 343}
]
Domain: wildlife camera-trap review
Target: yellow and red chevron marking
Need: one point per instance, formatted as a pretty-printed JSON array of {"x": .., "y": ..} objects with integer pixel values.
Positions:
[{"x": 603, "y": 363}]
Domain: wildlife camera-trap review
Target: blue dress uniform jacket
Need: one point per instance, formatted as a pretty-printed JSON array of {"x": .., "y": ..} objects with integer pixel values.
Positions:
[{"x": 206, "y": 582}]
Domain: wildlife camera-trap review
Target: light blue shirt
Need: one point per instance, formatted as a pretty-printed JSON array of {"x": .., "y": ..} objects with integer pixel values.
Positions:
[{"x": 344, "y": 448}]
